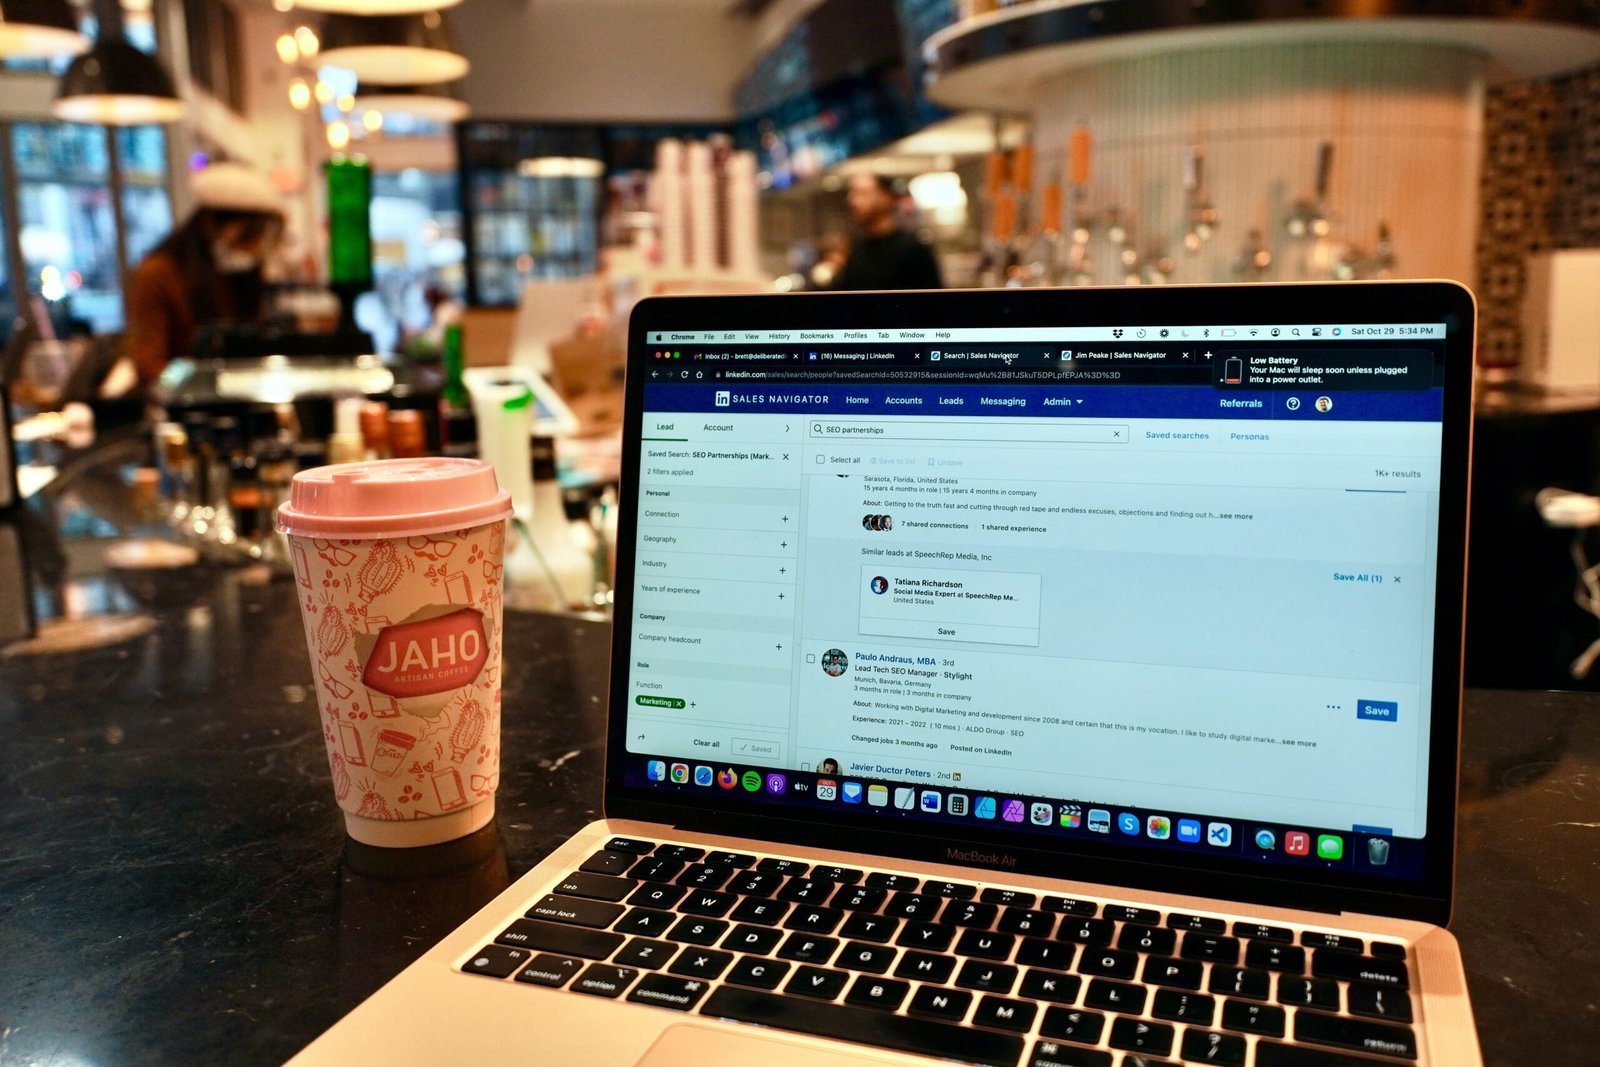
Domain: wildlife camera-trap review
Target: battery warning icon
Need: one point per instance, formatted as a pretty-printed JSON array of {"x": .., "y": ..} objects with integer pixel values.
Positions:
[{"x": 1232, "y": 370}]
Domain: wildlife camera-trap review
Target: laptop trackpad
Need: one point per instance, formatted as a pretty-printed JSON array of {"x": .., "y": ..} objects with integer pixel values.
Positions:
[{"x": 695, "y": 1046}]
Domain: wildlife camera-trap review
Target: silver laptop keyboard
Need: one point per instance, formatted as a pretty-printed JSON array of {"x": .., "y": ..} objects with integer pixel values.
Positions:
[{"x": 955, "y": 970}]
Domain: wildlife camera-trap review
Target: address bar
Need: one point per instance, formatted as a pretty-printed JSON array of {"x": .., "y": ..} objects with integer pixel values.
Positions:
[{"x": 1040, "y": 431}]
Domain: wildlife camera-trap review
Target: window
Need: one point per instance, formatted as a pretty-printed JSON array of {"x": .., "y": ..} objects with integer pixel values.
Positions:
[{"x": 68, "y": 226}]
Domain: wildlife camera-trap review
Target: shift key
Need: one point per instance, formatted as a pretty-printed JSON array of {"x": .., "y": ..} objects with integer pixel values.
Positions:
[
  {"x": 575, "y": 910},
  {"x": 567, "y": 940}
]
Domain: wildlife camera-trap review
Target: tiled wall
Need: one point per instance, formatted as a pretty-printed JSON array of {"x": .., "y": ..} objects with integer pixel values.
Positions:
[{"x": 1541, "y": 190}]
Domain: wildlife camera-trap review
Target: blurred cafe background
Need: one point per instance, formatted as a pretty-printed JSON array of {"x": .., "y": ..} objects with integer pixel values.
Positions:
[{"x": 240, "y": 238}]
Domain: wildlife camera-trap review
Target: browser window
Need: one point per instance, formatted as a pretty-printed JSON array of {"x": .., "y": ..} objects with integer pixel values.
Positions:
[{"x": 1173, "y": 589}]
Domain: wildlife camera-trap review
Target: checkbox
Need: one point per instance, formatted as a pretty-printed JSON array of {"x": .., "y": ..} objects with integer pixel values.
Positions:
[
  {"x": 822, "y": 459},
  {"x": 811, "y": 657}
]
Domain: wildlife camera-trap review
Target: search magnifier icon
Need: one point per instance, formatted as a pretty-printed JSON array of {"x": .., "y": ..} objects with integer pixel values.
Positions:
[
  {"x": 816, "y": 427},
  {"x": 1295, "y": 331}
]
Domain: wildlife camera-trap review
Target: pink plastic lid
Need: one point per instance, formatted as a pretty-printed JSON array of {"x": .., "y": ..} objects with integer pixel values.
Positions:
[{"x": 393, "y": 498}]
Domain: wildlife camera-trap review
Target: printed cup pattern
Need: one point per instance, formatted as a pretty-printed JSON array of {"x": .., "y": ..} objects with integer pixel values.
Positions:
[{"x": 405, "y": 643}]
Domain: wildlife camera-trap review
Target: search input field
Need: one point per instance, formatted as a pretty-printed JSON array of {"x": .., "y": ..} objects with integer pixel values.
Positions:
[{"x": 1032, "y": 432}]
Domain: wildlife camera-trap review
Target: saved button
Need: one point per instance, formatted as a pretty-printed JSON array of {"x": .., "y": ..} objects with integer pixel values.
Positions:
[{"x": 1381, "y": 710}]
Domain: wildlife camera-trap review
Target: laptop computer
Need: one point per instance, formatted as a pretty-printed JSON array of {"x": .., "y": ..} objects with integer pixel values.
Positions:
[{"x": 1064, "y": 678}]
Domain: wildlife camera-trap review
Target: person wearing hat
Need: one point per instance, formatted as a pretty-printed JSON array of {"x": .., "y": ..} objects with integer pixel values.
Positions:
[{"x": 207, "y": 271}]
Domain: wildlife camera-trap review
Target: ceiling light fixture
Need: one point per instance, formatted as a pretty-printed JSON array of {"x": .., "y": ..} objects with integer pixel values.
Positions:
[
  {"x": 115, "y": 84},
  {"x": 375, "y": 7},
  {"x": 432, "y": 103},
  {"x": 393, "y": 49},
  {"x": 39, "y": 29},
  {"x": 560, "y": 167}
]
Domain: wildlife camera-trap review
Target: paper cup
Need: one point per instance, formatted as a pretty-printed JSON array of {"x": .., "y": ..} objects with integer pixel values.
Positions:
[{"x": 398, "y": 567}]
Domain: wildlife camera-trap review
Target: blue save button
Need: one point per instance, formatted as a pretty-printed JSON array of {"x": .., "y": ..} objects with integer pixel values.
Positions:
[{"x": 1381, "y": 710}]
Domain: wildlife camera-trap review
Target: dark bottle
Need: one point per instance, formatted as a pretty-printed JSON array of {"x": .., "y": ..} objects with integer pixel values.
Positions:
[{"x": 458, "y": 426}]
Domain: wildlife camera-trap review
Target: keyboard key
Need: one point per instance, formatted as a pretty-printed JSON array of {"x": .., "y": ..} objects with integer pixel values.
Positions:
[
  {"x": 1209, "y": 1047},
  {"x": 1376, "y": 1002},
  {"x": 496, "y": 961},
  {"x": 970, "y": 913},
  {"x": 653, "y": 869},
  {"x": 1009, "y": 898},
  {"x": 1005, "y": 1014},
  {"x": 895, "y": 883},
  {"x": 1164, "y": 970},
  {"x": 872, "y": 992},
  {"x": 701, "y": 963},
  {"x": 663, "y": 991},
  {"x": 1027, "y": 921},
  {"x": 860, "y": 898},
  {"x": 1115, "y": 996},
  {"x": 1208, "y": 947},
  {"x": 1334, "y": 963},
  {"x": 1109, "y": 962},
  {"x": 759, "y": 940},
  {"x": 764, "y": 912},
  {"x": 958, "y": 890},
  {"x": 596, "y": 914},
  {"x": 913, "y": 906},
  {"x": 1275, "y": 957},
  {"x": 1050, "y": 1054},
  {"x": 813, "y": 920},
  {"x": 1308, "y": 992},
  {"x": 805, "y": 948},
  {"x": 595, "y": 886},
  {"x": 985, "y": 945},
  {"x": 925, "y": 967},
  {"x": 1342, "y": 942},
  {"x": 629, "y": 844},
  {"x": 740, "y": 860},
  {"x": 987, "y": 977},
  {"x": 1235, "y": 982},
  {"x": 604, "y": 980},
  {"x": 697, "y": 931},
  {"x": 759, "y": 974},
  {"x": 645, "y": 953},
  {"x": 1048, "y": 985},
  {"x": 858, "y": 956},
  {"x": 608, "y": 862},
  {"x": 1136, "y": 1035},
  {"x": 646, "y": 922},
  {"x": 806, "y": 891},
  {"x": 657, "y": 895},
  {"x": 1073, "y": 1024},
  {"x": 712, "y": 903},
  {"x": 789, "y": 868},
  {"x": 829, "y": 873},
  {"x": 1388, "y": 950},
  {"x": 1204, "y": 924},
  {"x": 1378, "y": 1038},
  {"x": 1147, "y": 939},
  {"x": 1086, "y": 931},
  {"x": 817, "y": 983},
  {"x": 860, "y": 927},
  {"x": 754, "y": 883},
  {"x": 1036, "y": 953},
  {"x": 1181, "y": 1007},
  {"x": 940, "y": 1003},
  {"x": 1263, "y": 932},
  {"x": 703, "y": 876},
  {"x": 548, "y": 969},
  {"x": 567, "y": 940},
  {"x": 681, "y": 853},
  {"x": 1127, "y": 913},
  {"x": 865, "y": 1026},
  {"x": 1086, "y": 909},
  {"x": 930, "y": 937},
  {"x": 1272, "y": 1054},
  {"x": 1263, "y": 1019}
]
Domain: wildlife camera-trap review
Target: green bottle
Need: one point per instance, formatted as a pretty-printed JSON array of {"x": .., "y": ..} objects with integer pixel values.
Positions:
[
  {"x": 349, "y": 224},
  {"x": 458, "y": 424}
]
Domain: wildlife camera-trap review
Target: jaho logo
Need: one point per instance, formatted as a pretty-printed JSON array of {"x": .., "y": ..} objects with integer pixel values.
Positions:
[{"x": 425, "y": 656}]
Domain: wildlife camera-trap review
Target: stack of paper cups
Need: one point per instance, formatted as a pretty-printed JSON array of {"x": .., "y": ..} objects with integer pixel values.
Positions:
[
  {"x": 667, "y": 190},
  {"x": 702, "y": 206},
  {"x": 744, "y": 248}
]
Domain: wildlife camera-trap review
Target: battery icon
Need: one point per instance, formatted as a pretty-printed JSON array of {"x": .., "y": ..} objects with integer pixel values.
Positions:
[{"x": 1232, "y": 370}]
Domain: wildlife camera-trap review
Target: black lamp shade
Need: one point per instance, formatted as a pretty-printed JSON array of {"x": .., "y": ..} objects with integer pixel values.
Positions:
[
  {"x": 116, "y": 84},
  {"x": 39, "y": 29},
  {"x": 393, "y": 49}
]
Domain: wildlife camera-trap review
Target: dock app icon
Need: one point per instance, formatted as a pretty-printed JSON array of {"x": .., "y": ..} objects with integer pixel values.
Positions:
[
  {"x": 878, "y": 796},
  {"x": 905, "y": 798}
]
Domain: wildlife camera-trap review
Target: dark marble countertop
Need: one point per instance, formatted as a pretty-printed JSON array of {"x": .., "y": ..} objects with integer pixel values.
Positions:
[{"x": 176, "y": 886}]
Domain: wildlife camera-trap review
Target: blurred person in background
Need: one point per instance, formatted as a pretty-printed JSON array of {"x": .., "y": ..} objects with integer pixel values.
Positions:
[
  {"x": 886, "y": 255},
  {"x": 208, "y": 271}
]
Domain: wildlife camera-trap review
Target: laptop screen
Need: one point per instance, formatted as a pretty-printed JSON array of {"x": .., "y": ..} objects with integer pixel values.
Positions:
[{"x": 1165, "y": 587}]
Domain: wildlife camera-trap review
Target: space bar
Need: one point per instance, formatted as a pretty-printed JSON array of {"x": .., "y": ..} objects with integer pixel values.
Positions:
[{"x": 865, "y": 1026}]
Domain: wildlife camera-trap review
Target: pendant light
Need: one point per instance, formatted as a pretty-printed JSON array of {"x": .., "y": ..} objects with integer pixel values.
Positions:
[
  {"x": 432, "y": 103},
  {"x": 375, "y": 7},
  {"x": 393, "y": 49},
  {"x": 39, "y": 29},
  {"x": 115, "y": 84}
]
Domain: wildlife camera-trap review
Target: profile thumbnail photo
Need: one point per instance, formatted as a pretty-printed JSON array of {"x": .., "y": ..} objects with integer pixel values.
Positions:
[
  {"x": 835, "y": 662},
  {"x": 877, "y": 523}
]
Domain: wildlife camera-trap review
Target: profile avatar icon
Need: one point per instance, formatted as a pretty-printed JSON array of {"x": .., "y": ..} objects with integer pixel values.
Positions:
[
  {"x": 880, "y": 585},
  {"x": 828, "y": 766},
  {"x": 835, "y": 662}
]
